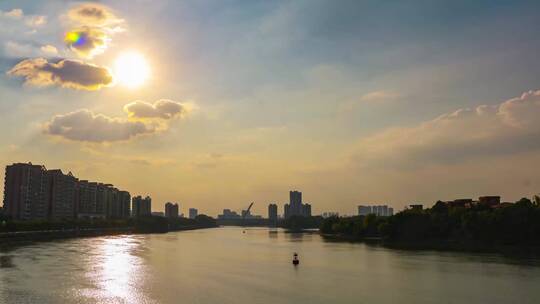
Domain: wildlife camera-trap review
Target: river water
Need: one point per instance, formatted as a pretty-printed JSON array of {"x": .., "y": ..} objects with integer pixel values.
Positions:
[{"x": 226, "y": 265}]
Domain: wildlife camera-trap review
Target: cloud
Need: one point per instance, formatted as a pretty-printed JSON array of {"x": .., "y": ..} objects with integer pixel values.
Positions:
[
  {"x": 163, "y": 108},
  {"x": 15, "y": 13},
  {"x": 49, "y": 49},
  {"x": 66, "y": 73},
  {"x": 35, "y": 21},
  {"x": 87, "y": 42},
  {"x": 377, "y": 96},
  {"x": 17, "y": 50},
  {"x": 93, "y": 26},
  {"x": 30, "y": 20},
  {"x": 84, "y": 125},
  {"x": 503, "y": 129},
  {"x": 93, "y": 14}
]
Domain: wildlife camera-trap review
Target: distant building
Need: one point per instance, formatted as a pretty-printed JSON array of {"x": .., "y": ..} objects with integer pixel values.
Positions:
[
  {"x": 246, "y": 214},
  {"x": 378, "y": 210},
  {"x": 171, "y": 210},
  {"x": 141, "y": 206},
  {"x": 272, "y": 213},
  {"x": 417, "y": 207},
  {"x": 295, "y": 206},
  {"x": 462, "y": 202},
  {"x": 193, "y": 213},
  {"x": 364, "y": 210},
  {"x": 330, "y": 214},
  {"x": 489, "y": 200},
  {"x": 228, "y": 214}
]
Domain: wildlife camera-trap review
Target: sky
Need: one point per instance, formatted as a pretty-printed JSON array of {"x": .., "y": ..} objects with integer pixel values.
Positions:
[{"x": 216, "y": 104}]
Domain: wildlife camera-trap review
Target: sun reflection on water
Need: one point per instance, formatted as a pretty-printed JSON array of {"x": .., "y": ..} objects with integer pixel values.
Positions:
[{"x": 117, "y": 272}]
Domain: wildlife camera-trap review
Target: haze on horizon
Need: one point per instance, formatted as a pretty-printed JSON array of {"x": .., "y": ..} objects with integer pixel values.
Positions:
[{"x": 214, "y": 104}]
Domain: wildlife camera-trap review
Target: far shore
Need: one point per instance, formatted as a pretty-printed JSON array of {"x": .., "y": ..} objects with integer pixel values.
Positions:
[
  {"x": 10, "y": 238},
  {"x": 439, "y": 245}
]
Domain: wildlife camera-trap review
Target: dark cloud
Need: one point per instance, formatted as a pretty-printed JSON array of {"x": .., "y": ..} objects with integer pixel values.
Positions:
[
  {"x": 163, "y": 108},
  {"x": 84, "y": 125},
  {"x": 66, "y": 73},
  {"x": 90, "y": 42},
  {"x": 92, "y": 27},
  {"x": 93, "y": 14}
]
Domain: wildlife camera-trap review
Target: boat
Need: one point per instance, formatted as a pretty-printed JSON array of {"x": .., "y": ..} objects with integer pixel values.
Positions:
[{"x": 295, "y": 259}]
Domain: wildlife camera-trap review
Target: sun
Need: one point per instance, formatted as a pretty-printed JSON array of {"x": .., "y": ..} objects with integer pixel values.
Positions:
[{"x": 131, "y": 69}]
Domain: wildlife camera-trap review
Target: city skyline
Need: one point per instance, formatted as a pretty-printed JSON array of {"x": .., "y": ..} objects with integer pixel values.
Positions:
[
  {"x": 348, "y": 107},
  {"x": 83, "y": 205}
]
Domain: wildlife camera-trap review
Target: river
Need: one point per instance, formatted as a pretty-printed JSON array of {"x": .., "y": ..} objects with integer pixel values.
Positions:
[{"x": 226, "y": 265}]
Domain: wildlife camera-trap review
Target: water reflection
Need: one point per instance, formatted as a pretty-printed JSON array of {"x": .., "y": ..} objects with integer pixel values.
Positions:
[
  {"x": 115, "y": 270},
  {"x": 227, "y": 266}
]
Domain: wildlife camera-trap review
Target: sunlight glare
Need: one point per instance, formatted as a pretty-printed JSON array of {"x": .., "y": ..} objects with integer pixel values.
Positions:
[{"x": 131, "y": 69}]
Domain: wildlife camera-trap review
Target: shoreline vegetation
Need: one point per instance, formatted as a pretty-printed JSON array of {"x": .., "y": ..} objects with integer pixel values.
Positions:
[
  {"x": 510, "y": 228},
  {"x": 16, "y": 231}
]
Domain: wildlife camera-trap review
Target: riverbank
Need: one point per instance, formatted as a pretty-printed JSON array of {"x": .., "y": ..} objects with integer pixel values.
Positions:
[
  {"x": 17, "y": 231},
  {"x": 440, "y": 245},
  {"x": 10, "y": 239},
  {"x": 21, "y": 237}
]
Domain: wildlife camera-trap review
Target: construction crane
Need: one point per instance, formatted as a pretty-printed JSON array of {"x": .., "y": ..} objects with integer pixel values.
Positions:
[{"x": 246, "y": 213}]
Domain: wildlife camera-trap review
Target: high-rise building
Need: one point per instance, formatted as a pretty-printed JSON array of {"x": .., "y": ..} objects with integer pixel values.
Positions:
[
  {"x": 33, "y": 192},
  {"x": 63, "y": 196},
  {"x": 364, "y": 210},
  {"x": 171, "y": 210},
  {"x": 295, "y": 197},
  {"x": 141, "y": 206},
  {"x": 114, "y": 202},
  {"x": 306, "y": 210},
  {"x": 193, "y": 213},
  {"x": 272, "y": 213},
  {"x": 26, "y": 190},
  {"x": 378, "y": 210},
  {"x": 125, "y": 202},
  {"x": 295, "y": 206}
]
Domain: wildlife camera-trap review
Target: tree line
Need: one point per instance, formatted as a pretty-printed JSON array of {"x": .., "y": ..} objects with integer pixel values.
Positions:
[
  {"x": 516, "y": 224},
  {"x": 139, "y": 224}
]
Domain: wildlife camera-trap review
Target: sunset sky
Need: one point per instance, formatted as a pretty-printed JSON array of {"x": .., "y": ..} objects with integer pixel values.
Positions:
[{"x": 214, "y": 104}]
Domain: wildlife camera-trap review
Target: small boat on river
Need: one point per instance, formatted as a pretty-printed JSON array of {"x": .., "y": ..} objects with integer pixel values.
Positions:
[{"x": 295, "y": 259}]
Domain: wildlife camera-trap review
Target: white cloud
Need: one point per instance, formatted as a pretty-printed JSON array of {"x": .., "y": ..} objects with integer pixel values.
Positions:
[
  {"x": 83, "y": 125},
  {"x": 378, "y": 96},
  {"x": 509, "y": 127},
  {"x": 49, "y": 49},
  {"x": 30, "y": 20},
  {"x": 35, "y": 20},
  {"x": 16, "y": 49},
  {"x": 15, "y": 13}
]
